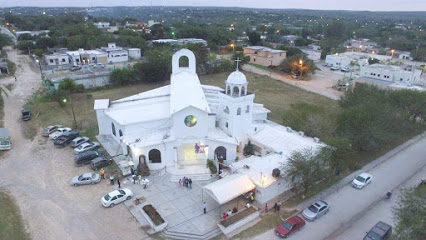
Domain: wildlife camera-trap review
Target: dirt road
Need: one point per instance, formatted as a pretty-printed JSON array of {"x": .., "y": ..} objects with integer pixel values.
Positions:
[{"x": 38, "y": 174}]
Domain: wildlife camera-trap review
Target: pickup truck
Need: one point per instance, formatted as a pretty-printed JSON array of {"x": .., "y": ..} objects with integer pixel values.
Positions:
[
  {"x": 26, "y": 115},
  {"x": 65, "y": 139},
  {"x": 380, "y": 231}
]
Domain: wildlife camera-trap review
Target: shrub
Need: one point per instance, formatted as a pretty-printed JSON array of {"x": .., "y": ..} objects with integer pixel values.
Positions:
[
  {"x": 212, "y": 166},
  {"x": 248, "y": 149}
]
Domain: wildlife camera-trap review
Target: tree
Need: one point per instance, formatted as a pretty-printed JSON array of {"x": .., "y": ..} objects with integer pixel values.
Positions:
[
  {"x": 248, "y": 149},
  {"x": 291, "y": 51},
  {"x": 254, "y": 38},
  {"x": 38, "y": 52},
  {"x": 292, "y": 64},
  {"x": 24, "y": 46},
  {"x": 304, "y": 169},
  {"x": 410, "y": 214},
  {"x": 341, "y": 154},
  {"x": 69, "y": 86},
  {"x": 121, "y": 77},
  {"x": 4, "y": 40}
]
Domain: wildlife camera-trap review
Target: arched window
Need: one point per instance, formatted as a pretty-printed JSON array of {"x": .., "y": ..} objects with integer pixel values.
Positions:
[
  {"x": 183, "y": 61},
  {"x": 226, "y": 109},
  {"x": 154, "y": 156},
  {"x": 239, "y": 111},
  {"x": 228, "y": 90},
  {"x": 120, "y": 133},
  {"x": 236, "y": 91},
  {"x": 243, "y": 91},
  {"x": 113, "y": 129},
  {"x": 247, "y": 109}
]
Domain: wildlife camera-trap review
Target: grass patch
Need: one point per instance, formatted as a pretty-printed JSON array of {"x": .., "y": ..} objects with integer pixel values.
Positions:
[
  {"x": 10, "y": 86},
  {"x": 11, "y": 225},
  {"x": 267, "y": 221}
]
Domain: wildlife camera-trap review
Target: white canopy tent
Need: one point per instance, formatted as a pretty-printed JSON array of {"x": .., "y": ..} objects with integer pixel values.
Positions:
[{"x": 229, "y": 187}]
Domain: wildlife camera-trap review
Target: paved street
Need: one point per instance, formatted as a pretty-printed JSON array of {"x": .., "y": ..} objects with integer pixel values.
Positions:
[{"x": 348, "y": 205}]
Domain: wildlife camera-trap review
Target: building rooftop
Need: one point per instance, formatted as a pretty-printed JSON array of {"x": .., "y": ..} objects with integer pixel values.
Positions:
[{"x": 264, "y": 49}]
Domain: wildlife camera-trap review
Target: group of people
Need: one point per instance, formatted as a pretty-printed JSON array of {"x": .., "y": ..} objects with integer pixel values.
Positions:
[
  {"x": 276, "y": 207},
  {"x": 186, "y": 182},
  {"x": 229, "y": 213}
]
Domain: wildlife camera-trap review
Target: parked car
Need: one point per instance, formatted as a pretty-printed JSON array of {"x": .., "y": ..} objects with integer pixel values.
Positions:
[
  {"x": 65, "y": 139},
  {"x": 49, "y": 129},
  {"x": 85, "y": 178},
  {"x": 100, "y": 162},
  {"x": 85, "y": 158},
  {"x": 75, "y": 68},
  {"x": 59, "y": 132},
  {"x": 86, "y": 147},
  {"x": 362, "y": 180},
  {"x": 345, "y": 69},
  {"x": 380, "y": 231},
  {"x": 116, "y": 196},
  {"x": 78, "y": 141},
  {"x": 26, "y": 115},
  {"x": 316, "y": 210},
  {"x": 289, "y": 226},
  {"x": 334, "y": 68}
]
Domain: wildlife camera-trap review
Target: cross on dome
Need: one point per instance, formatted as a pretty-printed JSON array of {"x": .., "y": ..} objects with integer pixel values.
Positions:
[{"x": 238, "y": 61}]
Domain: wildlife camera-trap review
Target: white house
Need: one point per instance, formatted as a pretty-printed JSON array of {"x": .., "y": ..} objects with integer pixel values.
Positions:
[
  {"x": 405, "y": 75},
  {"x": 57, "y": 59},
  {"x": 344, "y": 60},
  {"x": 102, "y": 24},
  {"x": 116, "y": 54},
  {"x": 152, "y": 23},
  {"x": 405, "y": 56},
  {"x": 134, "y": 53},
  {"x": 312, "y": 54}
]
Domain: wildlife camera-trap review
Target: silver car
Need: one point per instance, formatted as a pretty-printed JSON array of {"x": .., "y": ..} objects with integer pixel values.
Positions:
[
  {"x": 316, "y": 210},
  {"x": 86, "y": 147},
  {"x": 86, "y": 178},
  {"x": 78, "y": 141}
]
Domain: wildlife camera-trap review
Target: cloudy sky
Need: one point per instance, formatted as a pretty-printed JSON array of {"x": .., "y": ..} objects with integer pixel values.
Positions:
[{"x": 372, "y": 5}]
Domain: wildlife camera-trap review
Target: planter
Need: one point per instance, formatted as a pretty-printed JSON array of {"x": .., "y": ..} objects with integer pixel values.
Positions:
[
  {"x": 154, "y": 218},
  {"x": 238, "y": 221}
]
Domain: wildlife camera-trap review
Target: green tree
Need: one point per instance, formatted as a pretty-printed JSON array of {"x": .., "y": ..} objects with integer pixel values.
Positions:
[
  {"x": 304, "y": 169},
  {"x": 69, "y": 86},
  {"x": 341, "y": 154},
  {"x": 24, "y": 46},
  {"x": 292, "y": 64},
  {"x": 291, "y": 51},
  {"x": 38, "y": 52},
  {"x": 4, "y": 40},
  {"x": 410, "y": 214},
  {"x": 254, "y": 38},
  {"x": 121, "y": 77},
  {"x": 248, "y": 149}
]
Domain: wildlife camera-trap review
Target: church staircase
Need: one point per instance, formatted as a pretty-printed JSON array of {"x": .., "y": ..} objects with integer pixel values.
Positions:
[{"x": 175, "y": 234}]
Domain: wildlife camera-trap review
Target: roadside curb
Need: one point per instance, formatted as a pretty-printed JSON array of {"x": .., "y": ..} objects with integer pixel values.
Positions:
[{"x": 348, "y": 179}]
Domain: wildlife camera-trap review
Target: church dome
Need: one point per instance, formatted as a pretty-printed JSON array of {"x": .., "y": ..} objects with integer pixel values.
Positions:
[{"x": 236, "y": 77}]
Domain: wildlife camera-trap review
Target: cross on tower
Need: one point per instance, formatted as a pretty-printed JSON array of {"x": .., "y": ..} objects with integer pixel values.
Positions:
[{"x": 238, "y": 60}]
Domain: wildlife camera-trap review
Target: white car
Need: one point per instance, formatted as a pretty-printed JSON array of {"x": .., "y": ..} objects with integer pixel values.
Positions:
[
  {"x": 116, "y": 196},
  {"x": 362, "y": 180},
  {"x": 78, "y": 141},
  {"x": 59, "y": 132},
  {"x": 86, "y": 147}
]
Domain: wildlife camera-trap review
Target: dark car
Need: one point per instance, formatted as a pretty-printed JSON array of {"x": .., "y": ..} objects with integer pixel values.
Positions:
[
  {"x": 100, "y": 162},
  {"x": 289, "y": 226},
  {"x": 85, "y": 158},
  {"x": 65, "y": 139},
  {"x": 75, "y": 68},
  {"x": 380, "y": 231},
  {"x": 26, "y": 115}
]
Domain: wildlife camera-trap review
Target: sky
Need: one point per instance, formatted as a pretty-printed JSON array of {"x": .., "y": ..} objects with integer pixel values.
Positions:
[{"x": 371, "y": 5}]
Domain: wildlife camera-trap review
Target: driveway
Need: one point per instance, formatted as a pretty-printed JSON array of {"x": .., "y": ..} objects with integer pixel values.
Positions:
[
  {"x": 348, "y": 205},
  {"x": 321, "y": 82},
  {"x": 38, "y": 174}
]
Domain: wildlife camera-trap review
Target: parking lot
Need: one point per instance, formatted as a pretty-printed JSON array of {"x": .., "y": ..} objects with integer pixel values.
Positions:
[{"x": 38, "y": 176}]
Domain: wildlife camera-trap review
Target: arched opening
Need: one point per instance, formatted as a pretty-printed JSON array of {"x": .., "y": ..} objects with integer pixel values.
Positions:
[
  {"x": 120, "y": 133},
  {"x": 226, "y": 109},
  {"x": 239, "y": 111},
  {"x": 243, "y": 91},
  {"x": 228, "y": 90},
  {"x": 183, "y": 61},
  {"x": 113, "y": 129},
  {"x": 236, "y": 91},
  {"x": 154, "y": 156},
  {"x": 129, "y": 151},
  {"x": 220, "y": 155},
  {"x": 142, "y": 159},
  {"x": 247, "y": 109}
]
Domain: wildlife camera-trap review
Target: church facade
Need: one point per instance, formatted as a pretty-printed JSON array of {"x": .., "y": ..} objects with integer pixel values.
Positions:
[{"x": 184, "y": 123}]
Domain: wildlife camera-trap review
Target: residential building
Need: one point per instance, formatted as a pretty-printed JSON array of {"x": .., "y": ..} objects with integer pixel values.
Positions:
[
  {"x": 312, "y": 54},
  {"x": 57, "y": 59},
  {"x": 102, "y": 25},
  {"x": 116, "y": 54},
  {"x": 361, "y": 45},
  {"x": 388, "y": 74},
  {"x": 289, "y": 39},
  {"x": 181, "y": 41},
  {"x": 134, "y": 53},
  {"x": 152, "y": 23},
  {"x": 265, "y": 56},
  {"x": 344, "y": 59},
  {"x": 33, "y": 33}
]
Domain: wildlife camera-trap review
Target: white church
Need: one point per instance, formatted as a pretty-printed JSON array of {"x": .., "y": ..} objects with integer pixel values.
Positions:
[{"x": 181, "y": 125}]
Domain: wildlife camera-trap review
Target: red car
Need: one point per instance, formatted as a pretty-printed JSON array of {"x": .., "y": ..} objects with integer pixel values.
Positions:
[{"x": 289, "y": 226}]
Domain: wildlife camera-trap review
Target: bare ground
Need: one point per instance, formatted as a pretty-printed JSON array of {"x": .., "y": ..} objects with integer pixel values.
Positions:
[{"x": 37, "y": 174}]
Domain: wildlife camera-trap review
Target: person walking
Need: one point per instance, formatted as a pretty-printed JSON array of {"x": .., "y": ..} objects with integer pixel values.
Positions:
[
  {"x": 266, "y": 207},
  {"x": 15, "y": 79},
  {"x": 102, "y": 172},
  {"x": 111, "y": 179},
  {"x": 118, "y": 182},
  {"x": 275, "y": 207},
  {"x": 205, "y": 207},
  {"x": 278, "y": 207},
  {"x": 190, "y": 183},
  {"x": 180, "y": 182}
]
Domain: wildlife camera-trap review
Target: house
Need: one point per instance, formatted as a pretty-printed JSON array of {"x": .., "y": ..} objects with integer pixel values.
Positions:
[
  {"x": 181, "y": 41},
  {"x": 116, "y": 54},
  {"x": 152, "y": 23},
  {"x": 389, "y": 74},
  {"x": 83, "y": 57},
  {"x": 344, "y": 59},
  {"x": 405, "y": 56},
  {"x": 312, "y": 54},
  {"x": 102, "y": 25},
  {"x": 134, "y": 53},
  {"x": 289, "y": 39},
  {"x": 33, "y": 33},
  {"x": 57, "y": 59},
  {"x": 264, "y": 56},
  {"x": 361, "y": 45}
]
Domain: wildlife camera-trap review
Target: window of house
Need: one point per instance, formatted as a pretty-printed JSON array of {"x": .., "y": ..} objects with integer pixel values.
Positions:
[
  {"x": 239, "y": 111},
  {"x": 254, "y": 59},
  {"x": 247, "y": 109},
  {"x": 120, "y": 133},
  {"x": 378, "y": 75},
  {"x": 154, "y": 156},
  {"x": 226, "y": 109},
  {"x": 93, "y": 58},
  {"x": 226, "y": 124},
  {"x": 63, "y": 59},
  {"x": 113, "y": 129}
]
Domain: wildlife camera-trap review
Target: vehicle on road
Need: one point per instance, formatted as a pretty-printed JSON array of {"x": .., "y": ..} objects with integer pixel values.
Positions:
[
  {"x": 85, "y": 178},
  {"x": 78, "y": 141},
  {"x": 289, "y": 226},
  {"x": 362, "y": 180},
  {"x": 100, "y": 162},
  {"x": 65, "y": 139},
  {"x": 380, "y": 231},
  {"x": 116, "y": 196},
  {"x": 49, "y": 130},
  {"x": 59, "y": 132},
  {"x": 316, "y": 210},
  {"x": 26, "y": 115},
  {"x": 334, "y": 68},
  {"x": 5, "y": 143},
  {"x": 85, "y": 158},
  {"x": 345, "y": 69},
  {"x": 75, "y": 68},
  {"x": 86, "y": 147}
]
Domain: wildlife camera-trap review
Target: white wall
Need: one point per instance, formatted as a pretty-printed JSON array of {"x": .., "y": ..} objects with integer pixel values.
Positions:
[
  {"x": 275, "y": 189},
  {"x": 89, "y": 81},
  {"x": 135, "y": 53},
  {"x": 237, "y": 124},
  {"x": 200, "y": 130}
]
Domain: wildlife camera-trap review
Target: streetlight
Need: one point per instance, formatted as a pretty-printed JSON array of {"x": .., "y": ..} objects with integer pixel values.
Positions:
[
  {"x": 72, "y": 109},
  {"x": 392, "y": 51},
  {"x": 233, "y": 48},
  {"x": 39, "y": 65},
  {"x": 301, "y": 66}
]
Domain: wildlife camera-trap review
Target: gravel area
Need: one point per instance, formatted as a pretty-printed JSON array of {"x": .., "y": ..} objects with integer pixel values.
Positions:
[{"x": 38, "y": 175}]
